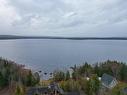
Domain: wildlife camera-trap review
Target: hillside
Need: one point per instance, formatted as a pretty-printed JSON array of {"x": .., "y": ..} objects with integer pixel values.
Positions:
[{"x": 16, "y": 77}]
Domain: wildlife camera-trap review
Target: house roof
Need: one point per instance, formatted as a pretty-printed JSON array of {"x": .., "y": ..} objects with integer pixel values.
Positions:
[
  {"x": 45, "y": 90},
  {"x": 55, "y": 86},
  {"x": 35, "y": 90},
  {"x": 107, "y": 79},
  {"x": 72, "y": 93}
]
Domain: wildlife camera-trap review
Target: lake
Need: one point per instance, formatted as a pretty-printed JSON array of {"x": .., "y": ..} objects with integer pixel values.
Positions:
[{"x": 51, "y": 54}]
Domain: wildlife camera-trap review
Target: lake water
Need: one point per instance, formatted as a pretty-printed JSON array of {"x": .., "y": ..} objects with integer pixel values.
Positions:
[{"x": 48, "y": 55}]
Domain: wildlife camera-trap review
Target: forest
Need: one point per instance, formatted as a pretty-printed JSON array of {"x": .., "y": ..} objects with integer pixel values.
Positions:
[
  {"x": 85, "y": 78},
  {"x": 16, "y": 76}
]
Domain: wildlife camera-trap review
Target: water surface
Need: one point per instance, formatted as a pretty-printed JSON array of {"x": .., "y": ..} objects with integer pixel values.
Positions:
[{"x": 51, "y": 54}]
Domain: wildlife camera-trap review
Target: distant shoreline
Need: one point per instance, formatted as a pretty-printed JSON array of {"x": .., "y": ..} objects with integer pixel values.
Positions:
[{"x": 9, "y": 37}]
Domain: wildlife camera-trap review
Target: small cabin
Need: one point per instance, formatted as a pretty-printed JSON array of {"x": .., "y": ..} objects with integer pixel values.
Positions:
[
  {"x": 52, "y": 89},
  {"x": 56, "y": 89},
  {"x": 72, "y": 93},
  {"x": 38, "y": 91},
  {"x": 108, "y": 81}
]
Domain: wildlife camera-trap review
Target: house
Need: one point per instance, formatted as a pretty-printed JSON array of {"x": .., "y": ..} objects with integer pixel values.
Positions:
[
  {"x": 52, "y": 89},
  {"x": 99, "y": 78},
  {"x": 72, "y": 93},
  {"x": 124, "y": 91},
  {"x": 108, "y": 81},
  {"x": 71, "y": 72},
  {"x": 38, "y": 91},
  {"x": 56, "y": 89}
]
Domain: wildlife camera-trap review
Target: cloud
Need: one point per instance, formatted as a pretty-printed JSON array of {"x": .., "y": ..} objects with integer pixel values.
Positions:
[
  {"x": 63, "y": 17},
  {"x": 8, "y": 15},
  {"x": 70, "y": 14}
]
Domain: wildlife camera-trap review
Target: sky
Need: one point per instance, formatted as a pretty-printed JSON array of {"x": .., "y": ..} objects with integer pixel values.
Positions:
[{"x": 82, "y": 18}]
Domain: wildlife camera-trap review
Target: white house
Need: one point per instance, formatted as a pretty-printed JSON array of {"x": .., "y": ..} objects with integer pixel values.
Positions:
[
  {"x": 70, "y": 72},
  {"x": 99, "y": 78}
]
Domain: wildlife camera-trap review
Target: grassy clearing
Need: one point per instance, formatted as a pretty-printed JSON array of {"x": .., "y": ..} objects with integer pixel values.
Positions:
[{"x": 116, "y": 90}]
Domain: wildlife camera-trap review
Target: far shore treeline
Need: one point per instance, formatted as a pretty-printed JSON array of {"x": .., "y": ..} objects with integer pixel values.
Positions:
[{"x": 8, "y": 37}]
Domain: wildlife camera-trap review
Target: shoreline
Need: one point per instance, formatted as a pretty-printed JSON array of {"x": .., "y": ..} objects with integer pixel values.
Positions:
[{"x": 11, "y": 37}]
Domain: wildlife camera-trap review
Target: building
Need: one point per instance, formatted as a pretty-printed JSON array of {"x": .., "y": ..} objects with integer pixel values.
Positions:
[
  {"x": 38, "y": 91},
  {"x": 56, "y": 89},
  {"x": 52, "y": 89},
  {"x": 99, "y": 78},
  {"x": 108, "y": 81},
  {"x": 72, "y": 93},
  {"x": 124, "y": 91},
  {"x": 71, "y": 72}
]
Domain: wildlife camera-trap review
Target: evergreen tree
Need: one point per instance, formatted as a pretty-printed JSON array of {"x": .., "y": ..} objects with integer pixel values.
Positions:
[
  {"x": 59, "y": 76},
  {"x": 123, "y": 73},
  {"x": 67, "y": 75},
  {"x": 19, "y": 90}
]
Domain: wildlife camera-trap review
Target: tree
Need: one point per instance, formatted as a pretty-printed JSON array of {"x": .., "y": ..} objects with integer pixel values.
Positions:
[
  {"x": 85, "y": 69},
  {"x": 67, "y": 75},
  {"x": 123, "y": 73},
  {"x": 59, "y": 76},
  {"x": 3, "y": 82},
  {"x": 36, "y": 77},
  {"x": 93, "y": 86},
  {"x": 97, "y": 70},
  {"x": 70, "y": 85},
  {"x": 19, "y": 90},
  {"x": 30, "y": 80},
  {"x": 96, "y": 84}
]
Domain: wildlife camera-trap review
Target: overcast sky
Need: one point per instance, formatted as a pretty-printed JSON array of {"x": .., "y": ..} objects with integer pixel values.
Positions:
[{"x": 63, "y": 17}]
